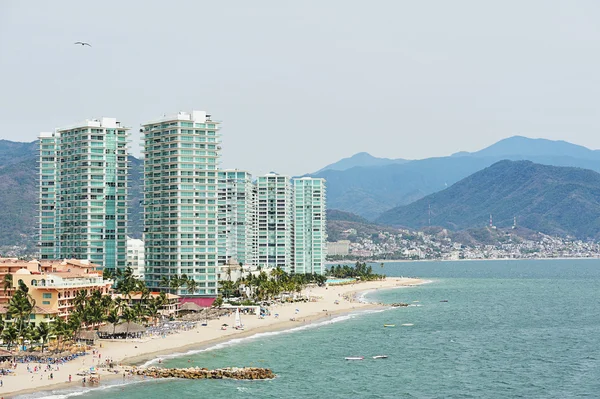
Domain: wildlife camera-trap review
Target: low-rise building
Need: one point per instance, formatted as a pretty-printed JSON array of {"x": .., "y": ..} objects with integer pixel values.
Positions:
[{"x": 53, "y": 285}]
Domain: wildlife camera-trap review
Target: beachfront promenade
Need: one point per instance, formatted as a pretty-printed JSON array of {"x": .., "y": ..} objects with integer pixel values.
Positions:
[{"x": 327, "y": 302}]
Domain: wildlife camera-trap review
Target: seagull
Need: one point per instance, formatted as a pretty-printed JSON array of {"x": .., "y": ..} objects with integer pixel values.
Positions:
[{"x": 83, "y": 44}]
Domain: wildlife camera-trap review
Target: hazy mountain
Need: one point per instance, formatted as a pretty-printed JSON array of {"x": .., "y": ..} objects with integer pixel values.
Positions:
[
  {"x": 12, "y": 152},
  {"x": 361, "y": 159},
  {"x": 526, "y": 147},
  {"x": 548, "y": 199},
  {"x": 335, "y": 214},
  {"x": 369, "y": 191}
]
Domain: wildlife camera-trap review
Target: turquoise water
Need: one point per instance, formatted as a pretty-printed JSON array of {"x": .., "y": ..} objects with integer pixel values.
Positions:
[{"x": 527, "y": 329}]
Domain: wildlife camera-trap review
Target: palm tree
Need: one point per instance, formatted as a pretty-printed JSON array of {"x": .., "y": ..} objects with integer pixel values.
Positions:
[
  {"x": 80, "y": 300},
  {"x": 153, "y": 308},
  {"x": 43, "y": 333},
  {"x": 140, "y": 312},
  {"x": 227, "y": 288},
  {"x": 128, "y": 316},
  {"x": 166, "y": 283},
  {"x": 10, "y": 335},
  {"x": 7, "y": 282},
  {"x": 176, "y": 282},
  {"x": 106, "y": 303},
  {"x": 108, "y": 274},
  {"x": 60, "y": 329},
  {"x": 20, "y": 307},
  {"x": 191, "y": 286},
  {"x": 74, "y": 324},
  {"x": 113, "y": 318}
]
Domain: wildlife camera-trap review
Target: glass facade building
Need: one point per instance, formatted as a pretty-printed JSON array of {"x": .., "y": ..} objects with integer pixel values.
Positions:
[
  {"x": 181, "y": 155},
  {"x": 275, "y": 221},
  {"x": 310, "y": 225},
  {"x": 237, "y": 218},
  {"x": 83, "y": 193}
]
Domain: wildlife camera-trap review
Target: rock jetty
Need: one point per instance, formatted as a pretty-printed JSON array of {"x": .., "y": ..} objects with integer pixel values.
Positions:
[{"x": 197, "y": 373}]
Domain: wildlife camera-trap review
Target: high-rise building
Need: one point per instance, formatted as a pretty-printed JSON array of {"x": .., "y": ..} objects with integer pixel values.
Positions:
[
  {"x": 275, "y": 221},
  {"x": 237, "y": 218},
  {"x": 181, "y": 154},
  {"x": 310, "y": 229},
  {"x": 83, "y": 193},
  {"x": 135, "y": 257}
]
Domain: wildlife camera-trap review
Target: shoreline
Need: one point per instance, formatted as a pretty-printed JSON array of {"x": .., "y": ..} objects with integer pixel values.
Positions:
[
  {"x": 283, "y": 326},
  {"x": 333, "y": 301},
  {"x": 347, "y": 262}
]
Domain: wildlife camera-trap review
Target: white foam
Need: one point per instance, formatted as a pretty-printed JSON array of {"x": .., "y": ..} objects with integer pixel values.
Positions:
[
  {"x": 236, "y": 341},
  {"x": 69, "y": 394}
]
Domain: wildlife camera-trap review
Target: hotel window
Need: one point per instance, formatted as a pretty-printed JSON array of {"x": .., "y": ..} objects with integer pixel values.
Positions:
[{"x": 47, "y": 296}]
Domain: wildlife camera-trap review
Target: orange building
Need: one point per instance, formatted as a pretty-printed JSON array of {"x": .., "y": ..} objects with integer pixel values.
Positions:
[{"x": 53, "y": 284}]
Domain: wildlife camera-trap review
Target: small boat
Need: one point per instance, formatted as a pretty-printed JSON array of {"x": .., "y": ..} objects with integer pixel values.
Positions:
[
  {"x": 380, "y": 357},
  {"x": 408, "y": 324},
  {"x": 354, "y": 358},
  {"x": 389, "y": 325},
  {"x": 444, "y": 300},
  {"x": 238, "y": 321}
]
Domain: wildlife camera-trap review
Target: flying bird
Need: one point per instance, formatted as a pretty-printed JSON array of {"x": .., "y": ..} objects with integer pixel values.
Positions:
[{"x": 83, "y": 44}]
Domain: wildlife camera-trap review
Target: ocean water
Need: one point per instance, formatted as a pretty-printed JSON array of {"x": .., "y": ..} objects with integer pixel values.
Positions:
[{"x": 509, "y": 329}]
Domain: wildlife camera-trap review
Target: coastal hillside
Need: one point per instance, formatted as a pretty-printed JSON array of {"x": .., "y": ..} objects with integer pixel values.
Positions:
[
  {"x": 549, "y": 199},
  {"x": 19, "y": 194},
  {"x": 371, "y": 190},
  {"x": 339, "y": 222}
]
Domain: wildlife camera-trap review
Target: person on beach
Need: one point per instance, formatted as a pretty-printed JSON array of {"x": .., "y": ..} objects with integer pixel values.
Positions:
[{"x": 69, "y": 377}]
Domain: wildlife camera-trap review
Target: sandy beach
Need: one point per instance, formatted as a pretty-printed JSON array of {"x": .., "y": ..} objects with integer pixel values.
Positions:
[{"x": 132, "y": 351}]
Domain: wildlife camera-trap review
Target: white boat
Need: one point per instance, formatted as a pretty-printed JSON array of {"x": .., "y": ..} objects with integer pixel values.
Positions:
[
  {"x": 238, "y": 321},
  {"x": 355, "y": 358},
  {"x": 380, "y": 357},
  {"x": 408, "y": 324}
]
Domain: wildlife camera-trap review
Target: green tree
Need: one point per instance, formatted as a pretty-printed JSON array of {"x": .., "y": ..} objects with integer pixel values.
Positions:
[
  {"x": 113, "y": 317},
  {"x": 43, "y": 333},
  {"x": 10, "y": 335},
  {"x": 129, "y": 316},
  {"x": 60, "y": 328},
  {"x": 218, "y": 302},
  {"x": 191, "y": 286},
  {"x": 7, "y": 282},
  {"x": 20, "y": 307}
]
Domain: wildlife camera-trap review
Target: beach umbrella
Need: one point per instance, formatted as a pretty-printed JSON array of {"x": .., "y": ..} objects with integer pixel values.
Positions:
[{"x": 225, "y": 325}]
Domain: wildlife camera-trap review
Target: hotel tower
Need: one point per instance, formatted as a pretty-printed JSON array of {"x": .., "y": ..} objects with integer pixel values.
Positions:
[
  {"x": 237, "y": 218},
  {"x": 83, "y": 193},
  {"x": 310, "y": 228},
  {"x": 275, "y": 221},
  {"x": 181, "y": 154}
]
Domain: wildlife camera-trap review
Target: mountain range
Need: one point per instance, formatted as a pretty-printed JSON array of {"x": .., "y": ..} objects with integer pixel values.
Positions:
[
  {"x": 373, "y": 188},
  {"x": 550, "y": 199},
  {"x": 369, "y": 189}
]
